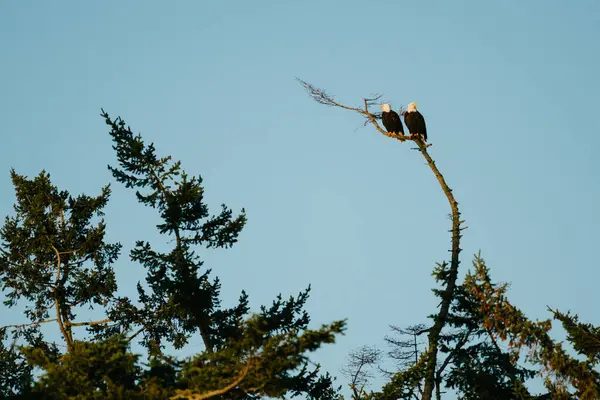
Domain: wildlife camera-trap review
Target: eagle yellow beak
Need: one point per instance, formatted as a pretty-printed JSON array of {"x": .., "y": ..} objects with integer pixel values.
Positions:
[
  {"x": 381, "y": 106},
  {"x": 416, "y": 105}
]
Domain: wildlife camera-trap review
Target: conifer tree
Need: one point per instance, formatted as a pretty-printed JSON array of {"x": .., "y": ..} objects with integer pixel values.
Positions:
[
  {"x": 565, "y": 376},
  {"x": 54, "y": 260}
]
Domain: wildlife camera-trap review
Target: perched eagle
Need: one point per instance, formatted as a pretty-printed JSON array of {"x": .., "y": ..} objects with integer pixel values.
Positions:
[
  {"x": 391, "y": 120},
  {"x": 415, "y": 122}
]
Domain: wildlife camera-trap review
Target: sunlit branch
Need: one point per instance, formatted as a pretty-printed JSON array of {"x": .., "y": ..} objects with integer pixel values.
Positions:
[
  {"x": 322, "y": 97},
  {"x": 188, "y": 394}
]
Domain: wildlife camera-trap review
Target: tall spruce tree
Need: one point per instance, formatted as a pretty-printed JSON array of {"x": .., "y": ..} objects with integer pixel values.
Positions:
[{"x": 54, "y": 260}]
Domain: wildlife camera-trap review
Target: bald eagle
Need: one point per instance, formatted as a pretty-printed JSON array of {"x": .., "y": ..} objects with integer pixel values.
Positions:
[
  {"x": 391, "y": 120},
  {"x": 415, "y": 122}
]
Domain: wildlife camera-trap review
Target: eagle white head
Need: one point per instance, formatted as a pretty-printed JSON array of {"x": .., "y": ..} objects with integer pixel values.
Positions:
[
  {"x": 385, "y": 107},
  {"x": 412, "y": 107}
]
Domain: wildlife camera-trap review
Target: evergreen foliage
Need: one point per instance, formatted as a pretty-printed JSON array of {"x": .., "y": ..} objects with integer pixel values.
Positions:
[
  {"x": 477, "y": 341},
  {"x": 486, "y": 345},
  {"x": 55, "y": 263},
  {"x": 54, "y": 260}
]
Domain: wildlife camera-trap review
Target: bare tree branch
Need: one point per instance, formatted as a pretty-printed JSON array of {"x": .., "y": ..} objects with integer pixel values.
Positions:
[
  {"x": 405, "y": 351},
  {"x": 356, "y": 370},
  {"x": 323, "y": 97}
]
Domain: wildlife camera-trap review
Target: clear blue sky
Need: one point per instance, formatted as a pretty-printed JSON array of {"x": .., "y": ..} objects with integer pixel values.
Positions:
[{"x": 509, "y": 89}]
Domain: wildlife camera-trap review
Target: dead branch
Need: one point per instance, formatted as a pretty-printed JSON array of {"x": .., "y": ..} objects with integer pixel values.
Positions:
[
  {"x": 357, "y": 368},
  {"x": 405, "y": 352},
  {"x": 323, "y": 97}
]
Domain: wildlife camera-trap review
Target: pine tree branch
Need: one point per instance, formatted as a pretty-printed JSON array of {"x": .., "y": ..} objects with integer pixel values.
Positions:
[
  {"x": 19, "y": 326},
  {"x": 90, "y": 323},
  {"x": 493, "y": 339},
  {"x": 190, "y": 395},
  {"x": 134, "y": 335},
  {"x": 130, "y": 338},
  {"x": 459, "y": 346},
  {"x": 322, "y": 97}
]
